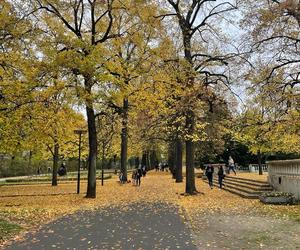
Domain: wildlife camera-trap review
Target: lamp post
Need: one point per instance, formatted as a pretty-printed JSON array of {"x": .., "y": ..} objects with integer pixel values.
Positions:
[{"x": 79, "y": 132}]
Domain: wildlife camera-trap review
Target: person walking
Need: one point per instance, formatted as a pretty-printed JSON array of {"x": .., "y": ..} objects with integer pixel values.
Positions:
[
  {"x": 209, "y": 172},
  {"x": 221, "y": 176},
  {"x": 144, "y": 171},
  {"x": 231, "y": 165},
  {"x": 133, "y": 177},
  {"x": 138, "y": 176},
  {"x": 121, "y": 177}
]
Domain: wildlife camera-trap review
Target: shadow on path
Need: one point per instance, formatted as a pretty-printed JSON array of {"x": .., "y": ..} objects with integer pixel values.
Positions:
[{"x": 136, "y": 226}]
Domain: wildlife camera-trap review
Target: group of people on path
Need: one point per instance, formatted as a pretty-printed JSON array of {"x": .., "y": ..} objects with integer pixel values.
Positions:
[
  {"x": 161, "y": 167},
  {"x": 136, "y": 176},
  {"x": 209, "y": 172}
]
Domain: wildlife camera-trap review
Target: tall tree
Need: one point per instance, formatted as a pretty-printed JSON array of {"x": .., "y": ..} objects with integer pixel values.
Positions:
[
  {"x": 196, "y": 20},
  {"x": 254, "y": 130},
  {"x": 79, "y": 28},
  {"x": 131, "y": 60}
]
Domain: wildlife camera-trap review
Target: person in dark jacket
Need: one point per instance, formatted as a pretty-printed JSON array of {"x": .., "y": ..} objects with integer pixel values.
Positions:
[
  {"x": 139, "y": 176},
  {"x": 209, "y": 172},
  {"x": 221, "y": 176},
  {"x": 62, "y": 170}
]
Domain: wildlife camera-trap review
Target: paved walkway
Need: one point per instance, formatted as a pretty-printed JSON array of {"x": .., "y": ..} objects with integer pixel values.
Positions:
[
  {"x": 137, "y": 226},
  {"x": 248, "y": 232}
]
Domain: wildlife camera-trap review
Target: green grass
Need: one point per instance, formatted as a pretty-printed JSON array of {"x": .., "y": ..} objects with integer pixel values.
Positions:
[{"x": 7, "y": 229}]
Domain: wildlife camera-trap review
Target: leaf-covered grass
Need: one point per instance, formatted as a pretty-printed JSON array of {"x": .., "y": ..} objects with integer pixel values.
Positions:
[
  {"x": 7, "y": 229},
  {"x": 41, "y": 179}
]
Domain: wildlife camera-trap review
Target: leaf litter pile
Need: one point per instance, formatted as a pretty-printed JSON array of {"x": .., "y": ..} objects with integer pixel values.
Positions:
[{"x": 31, "y": 206}]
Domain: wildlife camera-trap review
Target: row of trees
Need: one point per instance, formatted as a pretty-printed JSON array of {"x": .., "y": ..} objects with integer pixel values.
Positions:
[{"x": 151, "y": 76}]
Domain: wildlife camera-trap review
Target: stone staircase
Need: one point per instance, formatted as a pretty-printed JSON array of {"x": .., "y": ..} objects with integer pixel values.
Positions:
[{"x": 246, "y": 188}]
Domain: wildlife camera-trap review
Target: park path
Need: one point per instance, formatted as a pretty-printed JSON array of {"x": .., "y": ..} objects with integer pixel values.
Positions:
[{"x": 135, "y": 226}]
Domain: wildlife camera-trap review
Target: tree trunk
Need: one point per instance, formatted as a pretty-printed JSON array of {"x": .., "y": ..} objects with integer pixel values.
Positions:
[
  {"x": 137, "y": 162},
  {"x": 124, "y": 139},
  {"x": 147, "y": 160},
  {"x": 171, "y": 159},
  {"x": 29, "y": 159},
  {"x": 144, "y": 158},
  {"x": 190, "y": 117},
  {"x": 151, "y": 155},
  {"x": 92, "y": 133},
  {"x": 260, "y": 170},
  {"x": 55, "y": 163},
  {"x": 190, "y": 187},
  {"x": 178, "y": 170},
  {"x": 115, "y": 161},
  {"x": 153, "y": 159}
]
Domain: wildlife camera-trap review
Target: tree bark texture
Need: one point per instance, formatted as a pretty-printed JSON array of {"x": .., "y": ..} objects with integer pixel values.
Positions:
[
  {"x": 190, "y": 187},
  {"x": 92, "y": 136},
  {"x": 124, "y": 138},
  {"x": 152, "y": 159},
  {"x": 171, "y": 159},
  {"x": 144, "y": 158},
  {"x": 137, "y": 162},
  {"x": 178, "y": 169},
  {"x": 55, "y": 163},
  {"x": 260, "y": 170}
]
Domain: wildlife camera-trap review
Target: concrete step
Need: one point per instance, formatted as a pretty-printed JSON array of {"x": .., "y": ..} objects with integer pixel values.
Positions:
[
  {"x": 241, "y": 193},
  {"x": 265, "y": 187},
  {"x": 233, "y": 177},
  {"x": 246, "y": 190},
  {"x": 246, "y": 181},
  {"x": 238, "y": 192}
]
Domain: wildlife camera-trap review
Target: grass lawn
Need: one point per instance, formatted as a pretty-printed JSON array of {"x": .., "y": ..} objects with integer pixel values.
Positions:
[{"x": 47, "y": 179}]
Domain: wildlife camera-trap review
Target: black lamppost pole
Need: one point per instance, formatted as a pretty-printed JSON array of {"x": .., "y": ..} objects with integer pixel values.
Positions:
[{"x": 79, "y": 132}]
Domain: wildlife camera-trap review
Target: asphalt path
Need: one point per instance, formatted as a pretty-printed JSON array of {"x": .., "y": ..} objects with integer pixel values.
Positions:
[{"x": 134, "y": 226}]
